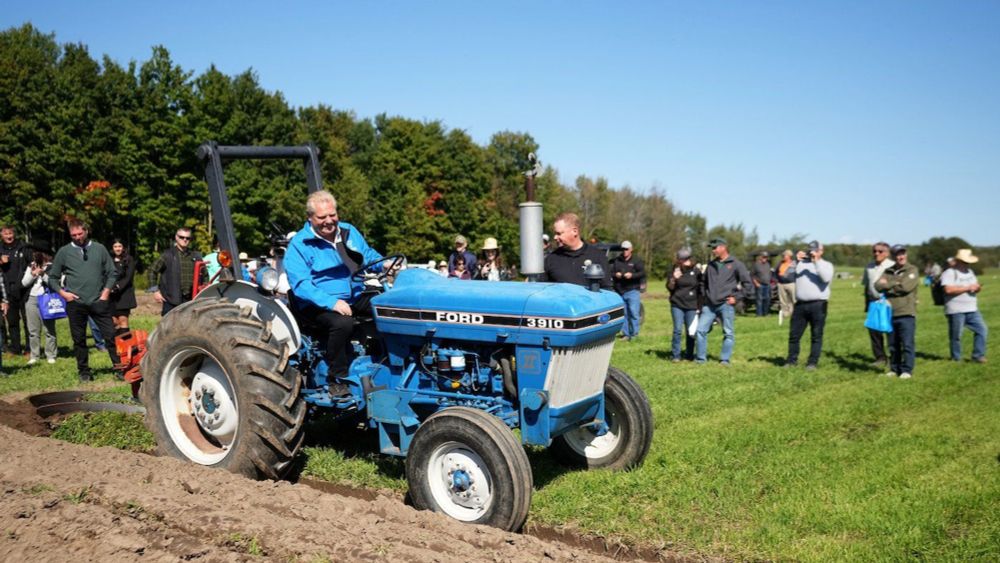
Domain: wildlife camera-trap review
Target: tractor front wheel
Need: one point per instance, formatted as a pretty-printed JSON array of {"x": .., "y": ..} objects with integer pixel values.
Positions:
[
  {"x": 467, "y": 464},
  {"x": 219, "y": 391},
  {"x": 630, "y": 429}
]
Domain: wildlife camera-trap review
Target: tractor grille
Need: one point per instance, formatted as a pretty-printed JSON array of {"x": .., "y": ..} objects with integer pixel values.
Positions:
[{"x": 577, "y": 373}]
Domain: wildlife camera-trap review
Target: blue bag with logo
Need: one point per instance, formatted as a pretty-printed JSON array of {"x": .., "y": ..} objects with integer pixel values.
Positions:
[
  {"x": 52, "y": 306},
  {"x": 879, "y": 315}
]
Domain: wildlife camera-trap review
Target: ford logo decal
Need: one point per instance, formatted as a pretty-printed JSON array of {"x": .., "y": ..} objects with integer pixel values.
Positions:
[{"x": 603, "y": 319}]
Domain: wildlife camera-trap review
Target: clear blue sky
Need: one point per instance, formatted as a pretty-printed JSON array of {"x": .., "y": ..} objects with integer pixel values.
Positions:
[{"x": 849, "y": 121}]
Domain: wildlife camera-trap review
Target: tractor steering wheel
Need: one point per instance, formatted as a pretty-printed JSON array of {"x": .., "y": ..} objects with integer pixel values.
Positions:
[{"x": 393, "y": 260}]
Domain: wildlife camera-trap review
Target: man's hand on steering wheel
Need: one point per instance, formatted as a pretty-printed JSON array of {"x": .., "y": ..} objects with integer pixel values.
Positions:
[{"x": 390, "y": 264}]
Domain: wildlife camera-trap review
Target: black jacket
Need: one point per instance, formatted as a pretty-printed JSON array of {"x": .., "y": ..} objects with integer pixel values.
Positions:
[
  {"x": 123, "y": 292},
  {"x": 566, "y": 266},
  {"x": 13, "y": 270},
  {"x": 635, "y": 266},
  {"x": 685, "y": 291},
  {"x": 165, "y": 274}
]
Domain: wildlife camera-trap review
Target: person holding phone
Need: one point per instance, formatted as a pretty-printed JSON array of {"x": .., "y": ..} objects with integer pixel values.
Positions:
[{"x": 813, "y": 275}]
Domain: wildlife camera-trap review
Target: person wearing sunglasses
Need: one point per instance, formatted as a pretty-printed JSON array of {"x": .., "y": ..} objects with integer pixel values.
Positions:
[
  {"x": 171, "y": 277},
  {"x": 87, "y": 274},
  {"x": 881, "y": 261}
]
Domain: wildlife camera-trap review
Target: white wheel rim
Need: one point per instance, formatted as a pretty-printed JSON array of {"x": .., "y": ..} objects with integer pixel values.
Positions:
[
  {"x": 587, "y": 443},
  {"x": 459, "y": 481},
  {"x": 199, "y": 406}
]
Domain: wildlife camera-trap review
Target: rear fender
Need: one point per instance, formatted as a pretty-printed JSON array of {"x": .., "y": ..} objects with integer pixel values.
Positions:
[{"x": 265, "y": 308}]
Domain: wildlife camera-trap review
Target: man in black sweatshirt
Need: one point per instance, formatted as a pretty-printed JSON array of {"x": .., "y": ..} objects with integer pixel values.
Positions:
[{"x": 90, "y": 274}]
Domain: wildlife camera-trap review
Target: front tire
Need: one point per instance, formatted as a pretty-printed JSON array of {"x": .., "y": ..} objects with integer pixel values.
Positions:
[
  {"x": 467, "y": 464},
  {"x": 219, "y": 391},
  {"x": 630, "y": 430}
]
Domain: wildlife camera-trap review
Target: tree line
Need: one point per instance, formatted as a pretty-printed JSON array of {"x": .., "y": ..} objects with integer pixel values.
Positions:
[{"x": 115, "y": 144}]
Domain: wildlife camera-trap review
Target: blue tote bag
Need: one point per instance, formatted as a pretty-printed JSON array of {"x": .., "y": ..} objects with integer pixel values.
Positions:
[
  {"x": 879, "y": 315},
  {"x": 51, "y": 305}
]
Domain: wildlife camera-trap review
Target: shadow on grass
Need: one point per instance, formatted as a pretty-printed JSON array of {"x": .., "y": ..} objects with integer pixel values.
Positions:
[
  {"x": 926, "y": 356},
  {"x": 355, "y": 442},
  {"x": 854, "y": 362}
]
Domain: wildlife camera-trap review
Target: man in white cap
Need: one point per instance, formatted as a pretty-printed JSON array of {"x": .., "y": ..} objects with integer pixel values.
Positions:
[
  {"x": 628, "y": 274},
  {"x": 961, "y": 307},
  {"x": 462, "y": 249}
]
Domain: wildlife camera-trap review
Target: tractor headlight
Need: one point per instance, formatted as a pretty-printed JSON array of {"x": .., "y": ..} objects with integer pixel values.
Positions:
[{"x": 267, "y": 278}]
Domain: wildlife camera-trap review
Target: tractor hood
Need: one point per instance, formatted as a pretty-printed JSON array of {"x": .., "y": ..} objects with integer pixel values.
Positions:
[{"x": 422, "y": 303}]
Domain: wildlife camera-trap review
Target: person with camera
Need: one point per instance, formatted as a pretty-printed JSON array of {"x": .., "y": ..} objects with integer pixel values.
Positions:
[
  {"x": 684, "y": 285},
  {"x": 35, "y": 280},
  {"x": 491, "y": 266},
  {"x": 813, "y": 276}
]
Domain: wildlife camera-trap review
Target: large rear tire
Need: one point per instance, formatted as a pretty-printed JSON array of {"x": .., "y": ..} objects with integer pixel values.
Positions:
[
  {"x": 467, "y": 464},
  {"x": 219, "y": 391},
  {"x": 630, "y": 430}
]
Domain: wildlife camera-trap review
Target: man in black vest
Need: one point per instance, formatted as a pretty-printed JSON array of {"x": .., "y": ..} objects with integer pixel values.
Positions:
[{"x": 171, "y": 277}]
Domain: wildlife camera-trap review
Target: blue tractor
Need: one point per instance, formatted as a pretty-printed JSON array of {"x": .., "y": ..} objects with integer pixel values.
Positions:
[{"x": 445, "y": 372}]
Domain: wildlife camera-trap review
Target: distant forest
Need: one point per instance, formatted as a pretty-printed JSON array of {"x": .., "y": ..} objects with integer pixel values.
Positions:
[{"x": 115, "y": 146}]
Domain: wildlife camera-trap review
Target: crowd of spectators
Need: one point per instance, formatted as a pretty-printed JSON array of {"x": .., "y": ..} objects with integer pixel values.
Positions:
[{"x": 97, "y": 288}]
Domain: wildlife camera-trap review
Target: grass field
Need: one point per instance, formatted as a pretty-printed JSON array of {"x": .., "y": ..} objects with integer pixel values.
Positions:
[{"x": 756, "y": 461}]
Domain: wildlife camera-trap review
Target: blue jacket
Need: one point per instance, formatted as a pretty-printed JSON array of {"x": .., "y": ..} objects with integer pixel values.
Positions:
[{"x": 316, "y": 273}]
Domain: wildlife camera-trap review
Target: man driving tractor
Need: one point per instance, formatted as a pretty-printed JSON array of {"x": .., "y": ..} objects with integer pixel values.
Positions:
[{"x": 321, "y": 262}]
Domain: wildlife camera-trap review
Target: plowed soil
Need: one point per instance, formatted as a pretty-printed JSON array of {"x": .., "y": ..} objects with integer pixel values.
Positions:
[{"x": 66, "y": 502}]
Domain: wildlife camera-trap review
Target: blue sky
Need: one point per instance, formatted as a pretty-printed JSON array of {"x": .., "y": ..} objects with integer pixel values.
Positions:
[{"x": 846, "y": 121}]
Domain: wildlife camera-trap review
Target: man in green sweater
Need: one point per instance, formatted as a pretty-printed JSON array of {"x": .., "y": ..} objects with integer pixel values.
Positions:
[
  {"x": 899, "y": 283},
  {"x": 83, "y": 273}
]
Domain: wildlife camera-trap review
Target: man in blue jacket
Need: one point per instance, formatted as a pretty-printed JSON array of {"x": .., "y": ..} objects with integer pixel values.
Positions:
[{"x": 320, "y": 262}]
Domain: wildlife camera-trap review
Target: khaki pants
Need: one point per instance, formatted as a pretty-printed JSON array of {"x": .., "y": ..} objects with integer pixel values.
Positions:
[{"x": 786, "y": 296}]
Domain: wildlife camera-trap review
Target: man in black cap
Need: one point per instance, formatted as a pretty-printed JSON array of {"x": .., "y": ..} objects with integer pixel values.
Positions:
[
  {"x": 900, "y": 283},
  {"x": 722, "y": 281},
  {"x": 629, "y": 273}
]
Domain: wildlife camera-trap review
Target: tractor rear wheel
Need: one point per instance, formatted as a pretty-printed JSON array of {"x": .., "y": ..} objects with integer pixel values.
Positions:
[
  {"x": 630, "y": 429},
  {"x": 219, "y": 391},
  {"x": 467, "y": 464}
]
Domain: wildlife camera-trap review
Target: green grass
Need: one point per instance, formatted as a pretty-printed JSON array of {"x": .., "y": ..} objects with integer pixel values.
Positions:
[{"x": 759, "y": 462}]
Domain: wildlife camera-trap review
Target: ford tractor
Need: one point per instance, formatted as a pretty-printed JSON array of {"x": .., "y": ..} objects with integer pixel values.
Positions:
[{"x": 455, "y": 376}]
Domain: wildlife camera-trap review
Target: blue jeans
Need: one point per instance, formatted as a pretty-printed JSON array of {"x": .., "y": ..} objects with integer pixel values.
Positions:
[
  {"x": 974, "y": 322},
  {"x": 902, "y": 349},
  {"x": 763, "y": 300},
  {"x": 631, "y": 326},
  {"x": 708, "y": 314},
  {"x": 682, "y": 320}
]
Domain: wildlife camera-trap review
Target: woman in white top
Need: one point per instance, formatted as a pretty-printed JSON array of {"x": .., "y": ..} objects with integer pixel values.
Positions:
[{"x": 36, "y": 277}]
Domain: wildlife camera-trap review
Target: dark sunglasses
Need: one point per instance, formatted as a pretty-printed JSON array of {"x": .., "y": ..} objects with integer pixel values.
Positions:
[{"x": 183, "y": 237}]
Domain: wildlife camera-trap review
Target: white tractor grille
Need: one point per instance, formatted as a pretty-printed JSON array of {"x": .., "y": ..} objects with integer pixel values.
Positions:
[{"x": 577, "y": 373}]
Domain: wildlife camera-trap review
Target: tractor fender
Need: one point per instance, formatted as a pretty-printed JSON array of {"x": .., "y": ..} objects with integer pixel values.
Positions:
[{"x": 266, "y": 308}]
